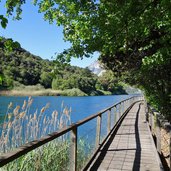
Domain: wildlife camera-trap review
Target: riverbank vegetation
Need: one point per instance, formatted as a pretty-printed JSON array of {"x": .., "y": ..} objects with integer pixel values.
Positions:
[
  {"x": 23, "y": 73},
  {"x": 21, "y": 126}
]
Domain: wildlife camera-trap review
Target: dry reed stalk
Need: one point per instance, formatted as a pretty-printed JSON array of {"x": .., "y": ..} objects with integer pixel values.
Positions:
[
  {"x": 20, "y": 127},
  {"x": 24, "y": 105},
  {"x": 22, "y": 114},
  {"x": 10, "y": 105},
  {"x": 16, "y": 110},
  {"x": 43, "y": 110},
  {"x": 30, "y": 101}
]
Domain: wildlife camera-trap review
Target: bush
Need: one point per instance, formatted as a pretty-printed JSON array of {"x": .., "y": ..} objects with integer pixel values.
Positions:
[{"x": 73, "y": 92}]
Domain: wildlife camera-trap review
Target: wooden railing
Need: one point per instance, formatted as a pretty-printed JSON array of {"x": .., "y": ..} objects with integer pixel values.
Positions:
[
  {"x": 119, "y": 111},
  {"x": 161, "y": 131}
]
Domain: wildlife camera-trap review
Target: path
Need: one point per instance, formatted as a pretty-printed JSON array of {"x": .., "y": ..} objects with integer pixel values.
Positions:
[{"x": 132, "y": 148}]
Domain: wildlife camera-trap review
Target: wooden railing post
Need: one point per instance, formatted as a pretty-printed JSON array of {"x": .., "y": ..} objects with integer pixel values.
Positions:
[
  {"x": 73, "y": 149},
  {"x": 115, "y": 114},
  {"x": 121, "y": 109},
  {"x": 151, "y": 121},
  {"x": 119, "y": 105},
  {"x": 146, "y": 112},
  {"x": 123, "y": 106},
  {"x": 126, "y": 104},
  {"x": 98, "y": 130},
  {"x": 109, "y": 121},
  {"x": 130, "y": 102},
  {"x": 158, "y": 134}
]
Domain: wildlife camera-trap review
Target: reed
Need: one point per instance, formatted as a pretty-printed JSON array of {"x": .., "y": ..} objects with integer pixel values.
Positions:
[{"x": 20, "y": 127}]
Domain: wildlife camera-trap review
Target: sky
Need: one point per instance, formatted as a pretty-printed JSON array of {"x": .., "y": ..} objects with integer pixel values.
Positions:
[{"x": 38, "y": 36}]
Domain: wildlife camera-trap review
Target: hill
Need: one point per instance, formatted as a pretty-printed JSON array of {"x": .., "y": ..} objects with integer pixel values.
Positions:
[
  {"x": 20, "y": 70},
  {"x": 21, "y": 66}
]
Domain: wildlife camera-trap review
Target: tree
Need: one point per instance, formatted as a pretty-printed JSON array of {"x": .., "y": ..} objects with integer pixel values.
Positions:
[
  {"x": 46, "y": 79},
  {"x": 122, "y": 31},
  {"x": 127, "y": 33}
]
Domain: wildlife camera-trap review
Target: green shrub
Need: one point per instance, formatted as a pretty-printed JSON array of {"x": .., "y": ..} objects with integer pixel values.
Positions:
[{"x": 73, "y": 92}]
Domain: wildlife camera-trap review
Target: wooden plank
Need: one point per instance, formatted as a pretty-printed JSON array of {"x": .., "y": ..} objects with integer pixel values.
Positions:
[
  {"x": 113, "y": 131},
  {"x": 119, "y": 110},
  {"x": 131, "y": 148}
]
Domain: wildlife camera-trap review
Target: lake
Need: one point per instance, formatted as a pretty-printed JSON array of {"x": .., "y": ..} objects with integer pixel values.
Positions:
[{"x": 81, "y": 106}]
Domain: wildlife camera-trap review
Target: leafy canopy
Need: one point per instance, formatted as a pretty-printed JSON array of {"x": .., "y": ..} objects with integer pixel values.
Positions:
[
  {"x": 132, "y": 36},
  {"x": 127, "y": 26}
]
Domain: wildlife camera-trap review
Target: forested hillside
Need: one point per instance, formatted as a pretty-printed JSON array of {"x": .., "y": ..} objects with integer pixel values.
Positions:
[
  {"x": 19, "y": 67},
  {"x": 22, "y": 66}
]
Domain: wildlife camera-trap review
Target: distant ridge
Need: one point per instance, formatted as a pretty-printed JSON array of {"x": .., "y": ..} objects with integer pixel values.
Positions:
[{"x": 96, "y": 68}]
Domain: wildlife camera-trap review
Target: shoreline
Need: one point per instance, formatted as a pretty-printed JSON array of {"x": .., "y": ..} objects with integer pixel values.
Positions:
[
  {"x": 50, "y": 92},
  {"x": 45, "y": 92}
]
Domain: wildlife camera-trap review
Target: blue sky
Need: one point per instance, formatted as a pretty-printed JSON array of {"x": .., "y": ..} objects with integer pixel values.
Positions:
[{"x": 38, "y": 36}]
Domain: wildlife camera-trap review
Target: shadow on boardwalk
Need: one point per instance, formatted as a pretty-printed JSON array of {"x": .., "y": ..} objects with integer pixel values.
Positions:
[{"x": 131, "y": 148}]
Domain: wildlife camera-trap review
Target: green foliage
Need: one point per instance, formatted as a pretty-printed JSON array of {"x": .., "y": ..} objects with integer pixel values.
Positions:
[
  {"x": 46, "y": 79},
  {"x": 108, "y": 82},
  {"x": 0, "y": 80},
  {"x": 19, "y": 65},
  {"x": 4, "y": 21},
  {"x": 14, "y": 6},
  {"x": 8, "y": 45},
  {"x": 73, "y": 92},
  {"x": 154, "y": 77},
  {"x": 80, "y": 78},
  {"x": 43, "y": 158}
]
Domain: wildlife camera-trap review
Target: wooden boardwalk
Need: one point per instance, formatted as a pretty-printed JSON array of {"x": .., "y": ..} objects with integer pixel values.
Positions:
[{"x": 132, "y": 148}]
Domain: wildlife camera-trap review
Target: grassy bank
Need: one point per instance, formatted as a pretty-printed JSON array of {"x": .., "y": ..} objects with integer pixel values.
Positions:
[
  {"x": 45, "y": 92},
  {"x": 50, "y": 92},
  {"x": 38, "y": 90}
]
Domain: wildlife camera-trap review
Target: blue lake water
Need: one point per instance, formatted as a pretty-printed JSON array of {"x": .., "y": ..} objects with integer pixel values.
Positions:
[{"x": 81, "y": 106}]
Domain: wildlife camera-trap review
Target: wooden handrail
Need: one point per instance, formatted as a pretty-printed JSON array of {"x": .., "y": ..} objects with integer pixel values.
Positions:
[{"x": 10, "y": 156}]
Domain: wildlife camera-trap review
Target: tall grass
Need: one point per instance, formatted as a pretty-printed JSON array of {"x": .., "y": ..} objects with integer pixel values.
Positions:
[
  {"x": 20, "y": 126},
  {"x": 43, "y": 92}
]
